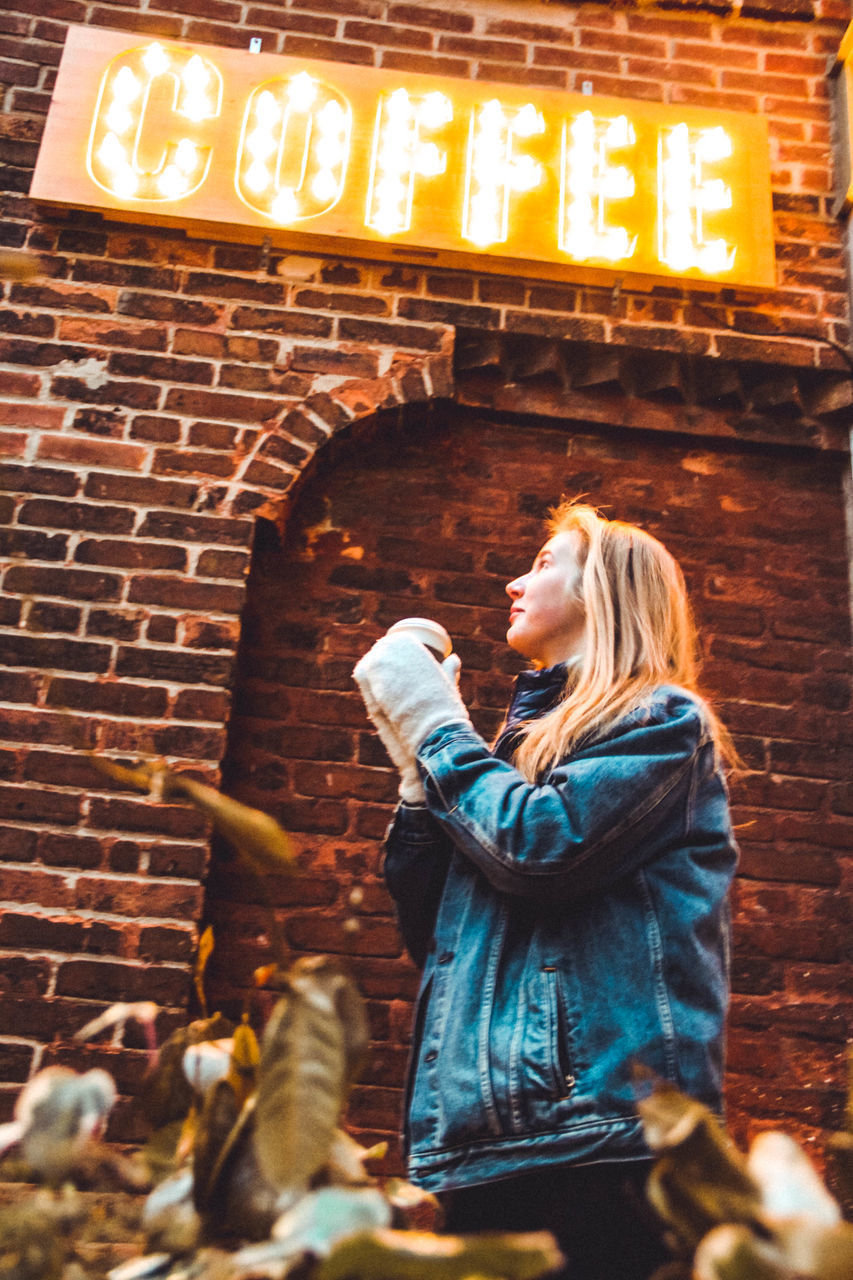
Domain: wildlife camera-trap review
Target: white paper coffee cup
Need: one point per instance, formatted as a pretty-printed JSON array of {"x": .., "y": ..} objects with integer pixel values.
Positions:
[{"x": 429, "y": 633}]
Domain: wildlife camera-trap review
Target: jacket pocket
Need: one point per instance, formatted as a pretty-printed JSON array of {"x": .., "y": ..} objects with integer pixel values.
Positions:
[{"x": 559, "y": 1057}]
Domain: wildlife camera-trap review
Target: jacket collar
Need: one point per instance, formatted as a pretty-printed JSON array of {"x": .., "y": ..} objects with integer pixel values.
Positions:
[{"x": 534, "y": 693}]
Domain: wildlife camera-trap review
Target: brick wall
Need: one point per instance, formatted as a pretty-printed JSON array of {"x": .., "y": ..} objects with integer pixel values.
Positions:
[{"x": 161, "y": 394}]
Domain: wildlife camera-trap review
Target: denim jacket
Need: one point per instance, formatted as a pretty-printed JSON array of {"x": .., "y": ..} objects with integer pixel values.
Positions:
[{"x": 567, "y": 931}]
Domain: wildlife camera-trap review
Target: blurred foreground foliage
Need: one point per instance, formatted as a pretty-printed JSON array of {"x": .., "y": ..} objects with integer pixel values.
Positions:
[{"x": 249, "y": 1175}]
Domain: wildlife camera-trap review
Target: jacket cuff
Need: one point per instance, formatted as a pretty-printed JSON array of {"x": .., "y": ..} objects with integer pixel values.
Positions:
[{"x": 414, "y": 820}]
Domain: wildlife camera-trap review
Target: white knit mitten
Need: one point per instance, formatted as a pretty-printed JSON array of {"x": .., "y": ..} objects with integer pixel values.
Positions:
[
  {"x": 413, "y": 691},
  {"x": 411, "y": 788}
]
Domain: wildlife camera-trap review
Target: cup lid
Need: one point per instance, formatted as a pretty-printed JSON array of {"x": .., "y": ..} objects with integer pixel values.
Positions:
[{"x": 427, "y": 632}]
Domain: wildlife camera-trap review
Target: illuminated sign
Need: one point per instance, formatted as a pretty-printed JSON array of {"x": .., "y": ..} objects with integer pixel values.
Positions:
[{"x": 376, "y": 163}]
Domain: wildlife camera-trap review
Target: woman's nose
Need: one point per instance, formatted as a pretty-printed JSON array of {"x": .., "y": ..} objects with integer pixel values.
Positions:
[{"x": 515, "y": 588}]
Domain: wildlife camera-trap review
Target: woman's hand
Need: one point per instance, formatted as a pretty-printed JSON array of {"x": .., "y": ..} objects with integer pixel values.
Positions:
[
  {"x": 411, "y": 789},
  {"x": 400, "y": 680}
]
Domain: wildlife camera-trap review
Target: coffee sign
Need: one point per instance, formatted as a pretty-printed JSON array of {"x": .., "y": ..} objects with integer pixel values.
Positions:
[{"x": 337, "y": 158}]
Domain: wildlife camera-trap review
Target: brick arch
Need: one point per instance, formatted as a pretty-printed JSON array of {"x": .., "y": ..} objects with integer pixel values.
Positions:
[{"x": 287, "y": 446}]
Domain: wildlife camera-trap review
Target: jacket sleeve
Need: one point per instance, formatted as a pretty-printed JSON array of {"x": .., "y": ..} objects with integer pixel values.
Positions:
[
  {"x": 602, "y": 812},
  {"x": 417, "y": 857}
]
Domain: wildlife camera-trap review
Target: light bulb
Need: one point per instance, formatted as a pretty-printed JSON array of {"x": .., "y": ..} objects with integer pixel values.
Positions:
[
  {"x": 155, "y": 59},
  {"x": 302, "y": 91},
  {"x": 285, "y": 207}
]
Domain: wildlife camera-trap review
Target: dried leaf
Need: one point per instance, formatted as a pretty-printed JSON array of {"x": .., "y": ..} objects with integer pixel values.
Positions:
[
  {"x": 142, "y": 778},
  {"x": 33, "y": 1240},
  {"x": 406, "y": 1195},
  {"x": 169, "y": 1218},
  {"x": 734, "y": 1253},
  {"x": 349, "y": 1006},
  {"x": 207, "y": 1062},
  {"x": 165, "y": 1093},
  {"x": 231, "y": 1189},
  {"x": 203, "y": 954},
  {"x": 57, "y": 1115},
  {"x": 160, "y": 1151},
  {"x": 798, "y": 1246},
  {"x": 790, "y": 1185},
  {"x": 151, "y": 1266},
  {"x": 144, "y": 1011},
  {"x": 308, "y": 1048},
  {"x": 347, "y": 1158},
  {"x": 19, "y": 266},
  {"x": 320, "y": 1219},
  {"x": 416, "y": 1255},
  {"x": 809, "y": 1247},
  {"x": 245, "y": 1059},
  {"x": 216, "y": 1124},
  {"x": 253, "y": 833},
  {"x": 700, "y": 1179}
]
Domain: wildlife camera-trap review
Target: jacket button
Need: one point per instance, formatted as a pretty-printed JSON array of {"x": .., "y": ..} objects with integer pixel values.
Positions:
[
  {"x": 431, "y": 1056},
  {"x": 445, "y": 957}
]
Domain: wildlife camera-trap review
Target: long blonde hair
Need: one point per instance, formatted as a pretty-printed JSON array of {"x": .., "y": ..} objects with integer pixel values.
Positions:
[{"x": 639, "y": 634}]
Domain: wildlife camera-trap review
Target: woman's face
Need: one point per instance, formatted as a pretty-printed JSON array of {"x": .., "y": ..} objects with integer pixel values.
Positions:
[{"x": 546, "y": 618}]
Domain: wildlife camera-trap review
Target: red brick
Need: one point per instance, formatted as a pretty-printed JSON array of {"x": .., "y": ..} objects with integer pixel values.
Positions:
[
  {"x": 113, "y": 697},
  {"x": 265, "y": 17},
  {"x": 44, "y": 417},
  {"x": 160, "y": 943},
  {"x": 166, "y": 308},
  {"x": 281, "y": 321},
  {"x": 172, "y": 666},
  {"x": 192, "y": 462},
  {"x": 500, "y": 50},
  {"x": 28, "y": 804},
  {"x": 141, "y": 490},
  {"x": 441, "y": 19},
  {"x": 426, "y": 63},
  {"x": 109, "y": 980},
  {"x": 63, "y": 515},
  {"x": 147, "y": 426},
  {"x": 384, "y": 36},
  {"x": 138, "y": 897},
  {"x": 152, "y": 24},
  {"x": 63, "y": 294},
  {"x": 100, "y": 453},
  {"x": 197, "y": 528},
  {"x": 174, "y": 821},
  {"x": 76, "y": 584},
  {"x": 22, "y": 543},
  {"x": 161, "y": 367},
  {"x": 47, "y": 616},
  {"x": 27, "y": 322},
  {"x": 62, "y": 654},
  {"x": 201, "y": 704},
  {"x": 219, "y": 404},
  {"x": 20, "y": 384}
]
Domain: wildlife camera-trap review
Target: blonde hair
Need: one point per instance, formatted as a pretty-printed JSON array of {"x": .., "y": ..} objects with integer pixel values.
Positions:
[{"x": 639, "y": 634}]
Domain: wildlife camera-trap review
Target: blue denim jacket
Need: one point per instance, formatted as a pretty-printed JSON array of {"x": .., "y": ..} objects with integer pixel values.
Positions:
[{"x": 567, "y": 931}]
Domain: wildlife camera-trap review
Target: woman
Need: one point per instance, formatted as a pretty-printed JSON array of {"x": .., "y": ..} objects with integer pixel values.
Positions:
[{"x": 566, "y": 894}]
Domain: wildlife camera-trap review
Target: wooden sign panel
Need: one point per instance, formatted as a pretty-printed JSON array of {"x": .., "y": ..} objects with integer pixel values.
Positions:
[{"x": 328, "y": 157}]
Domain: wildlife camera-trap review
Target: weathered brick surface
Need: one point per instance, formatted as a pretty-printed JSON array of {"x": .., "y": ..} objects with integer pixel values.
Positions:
[{"x": 158, "y": 394}]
